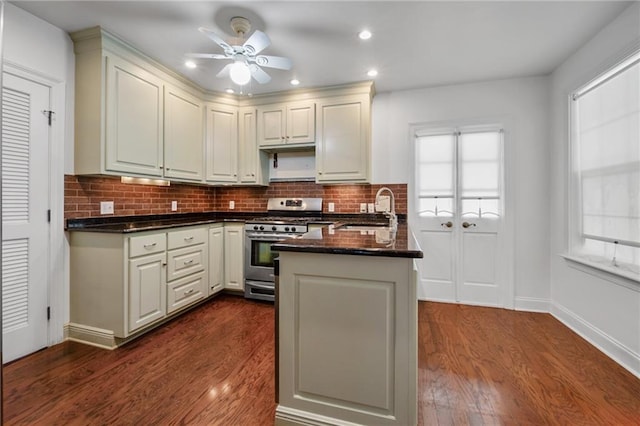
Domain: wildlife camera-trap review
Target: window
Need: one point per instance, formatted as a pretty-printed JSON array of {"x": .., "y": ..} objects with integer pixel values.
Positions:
[
  {"x": 459, "y": 171},
  {"x": 605, "y": 184}
]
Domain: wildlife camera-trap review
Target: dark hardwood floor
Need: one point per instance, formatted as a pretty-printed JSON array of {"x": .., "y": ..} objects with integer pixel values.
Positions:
[{"x": 215, "y": 366}]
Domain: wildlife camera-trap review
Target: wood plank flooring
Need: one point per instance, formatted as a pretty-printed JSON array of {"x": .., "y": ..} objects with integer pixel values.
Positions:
[{"x": 215, "y": 366}]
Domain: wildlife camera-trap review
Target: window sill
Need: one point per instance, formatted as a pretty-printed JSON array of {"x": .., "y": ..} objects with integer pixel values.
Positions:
[{"x": 617, "y": 276}]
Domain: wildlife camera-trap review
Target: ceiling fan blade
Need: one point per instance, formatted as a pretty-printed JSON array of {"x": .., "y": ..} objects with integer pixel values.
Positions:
[
  {"x": 216, "y": 38},
  {"x": 278, "y": 62},
  {"x": 259, "y": 74},
  {"x": 224, "y": 72},
  {"x": 207, "y": 56},
  {"x": 256, "y": 43}
]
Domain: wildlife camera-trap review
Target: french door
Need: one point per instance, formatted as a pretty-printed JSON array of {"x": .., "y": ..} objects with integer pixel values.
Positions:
[{"x": 458, "y": 213}]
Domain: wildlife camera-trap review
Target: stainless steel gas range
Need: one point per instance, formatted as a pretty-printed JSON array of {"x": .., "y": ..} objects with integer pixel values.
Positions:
[{"x": 287, "y": 218}]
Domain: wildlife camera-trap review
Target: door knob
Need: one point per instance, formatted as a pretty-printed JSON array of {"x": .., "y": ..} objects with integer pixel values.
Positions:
[
  {"x": 447, "y": 224},
  {"x": 467, "y": 224}
]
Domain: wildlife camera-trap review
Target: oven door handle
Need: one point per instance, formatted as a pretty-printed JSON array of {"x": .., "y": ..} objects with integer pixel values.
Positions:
[{"x": 277, "y": 237}]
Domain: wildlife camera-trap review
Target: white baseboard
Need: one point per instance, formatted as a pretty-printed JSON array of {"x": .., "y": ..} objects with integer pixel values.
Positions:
[
  {"x": 532, "y": 304},
  {"x": 605, "y": 343},
  {"x": 90, "y": 336},
  {"x": 286, "y": 416}
]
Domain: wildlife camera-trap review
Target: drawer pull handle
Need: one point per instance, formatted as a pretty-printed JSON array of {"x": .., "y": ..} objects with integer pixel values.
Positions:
[
  {"x": 188, "y": 292},
  {"x": 150, "y": 245},
  {"x": 188, "y": 238},
  {"x": 188, "y": 262}
]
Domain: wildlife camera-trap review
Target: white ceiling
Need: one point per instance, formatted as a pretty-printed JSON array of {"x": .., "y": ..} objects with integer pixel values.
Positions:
[{"x": 414, "y": 44}]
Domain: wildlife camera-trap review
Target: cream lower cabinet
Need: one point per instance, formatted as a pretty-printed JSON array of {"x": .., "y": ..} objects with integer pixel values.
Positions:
[
  {"x": 122, "y": 284},
  {"x": 187, "y": 267},
  {"x": 234, "y": 256},
  {"x": 343, "y": 145},
  {"x": 216, "y": 258}
]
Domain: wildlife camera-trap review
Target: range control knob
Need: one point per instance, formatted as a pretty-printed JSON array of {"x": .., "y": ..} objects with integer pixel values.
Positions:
[
  {"x": 262, "y": 228},
  {"x": 293, "y": 229},
  {"x": 255, "y": 227},
  {"x": 286, "y": 229},
  {"x": 274, "y": 228}
]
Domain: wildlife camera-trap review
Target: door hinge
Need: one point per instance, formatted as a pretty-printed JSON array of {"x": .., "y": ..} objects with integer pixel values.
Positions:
[
  {"x": 49, "y": 115},
  {"x": 49, "y": 215},
  {"x": 48, "y": 313}
]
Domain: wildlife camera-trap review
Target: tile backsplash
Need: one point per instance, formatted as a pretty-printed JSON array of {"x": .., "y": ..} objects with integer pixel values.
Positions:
[{"x": 83, "y": 195}]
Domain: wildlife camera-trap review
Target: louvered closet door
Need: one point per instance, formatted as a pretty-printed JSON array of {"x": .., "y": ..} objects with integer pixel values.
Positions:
[{"x": 25, "y": 201}]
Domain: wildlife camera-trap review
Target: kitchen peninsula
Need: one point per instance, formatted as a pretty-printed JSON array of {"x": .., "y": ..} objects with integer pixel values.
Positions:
[{"x": 347, "y": 325}]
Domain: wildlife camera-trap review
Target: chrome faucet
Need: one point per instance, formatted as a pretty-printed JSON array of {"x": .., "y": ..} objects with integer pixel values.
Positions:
[{"x": 393, "y": 219}]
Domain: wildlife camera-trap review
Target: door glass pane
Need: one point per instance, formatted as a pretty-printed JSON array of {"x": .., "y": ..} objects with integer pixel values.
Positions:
[
  {"x": 436, "y": 171},
  {"x": 480, "y": 157}
]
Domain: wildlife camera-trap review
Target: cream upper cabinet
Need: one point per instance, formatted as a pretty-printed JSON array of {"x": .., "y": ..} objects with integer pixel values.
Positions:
[
  {"x": 286, "y": 124},
  {"x": 221, "y": 143},
  {"x": 134, "y": 119},
  {"x": 183, "y": 135},
  {"x": 343, "y": 145},
  {"x": 252, "y": 163},
  {"x": 234, "y": 256}
]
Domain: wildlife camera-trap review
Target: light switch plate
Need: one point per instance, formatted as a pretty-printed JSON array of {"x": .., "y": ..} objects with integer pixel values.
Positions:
[
  {"x": 331, "y": 207},
  {"x": 371, "y": 208},
  {"x": 363, "y": 207},
  {"x": 174, "y": 206},
  {"x": 232, "y": 205},
  {"x": 106, "y": 207}
]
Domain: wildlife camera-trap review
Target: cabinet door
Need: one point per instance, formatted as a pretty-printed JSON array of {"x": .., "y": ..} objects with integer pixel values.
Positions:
[
  {"x": 342, "y": 148},
  {"x": 271, "y": 125},
  {"x": 222, "y": 143},
  {"x": 183, "y": 141},
  {"x": 234, "y": 256},
  {"x": 147, "y": 292},
  {"x": 184, "y": 292},
  {"x": 301, "y": 123},
  {"x": 216, "y": 259},
  {"x": 134, "y": 117},
  {"x": 248, "y": 149}
]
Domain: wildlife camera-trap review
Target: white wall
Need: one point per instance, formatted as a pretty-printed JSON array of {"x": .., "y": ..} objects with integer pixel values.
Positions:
[
  {"x": 606, "y": 313},
  {"x": 45, "y": 52},
  {"x": 522, "y": 105}
]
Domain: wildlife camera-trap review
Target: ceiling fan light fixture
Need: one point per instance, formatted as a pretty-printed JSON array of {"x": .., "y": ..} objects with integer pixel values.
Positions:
[
  {"x": 240, "y": 73},
  {"x": 365, "y": 35}
]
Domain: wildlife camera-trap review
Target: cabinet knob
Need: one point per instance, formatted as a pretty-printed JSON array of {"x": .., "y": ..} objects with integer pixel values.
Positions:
[{"x": 319, "y": 173}]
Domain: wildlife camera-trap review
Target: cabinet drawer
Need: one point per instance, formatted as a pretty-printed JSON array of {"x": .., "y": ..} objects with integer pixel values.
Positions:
[
  {"x": 185, "y": 261},
  {"x": 186, "y": 238},
  {"x": 185, "y": 291},
  {"x": 147, "y": 244}
]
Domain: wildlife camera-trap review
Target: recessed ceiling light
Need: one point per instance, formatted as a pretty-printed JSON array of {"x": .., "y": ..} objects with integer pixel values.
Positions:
[
  {"x": 364, "y": 35},
  {"x": 190, "y": 64},
  {"x": 372, "y": 73},
  {"x": 294, "y": 82},
  {"x": 230, "y": 91}
]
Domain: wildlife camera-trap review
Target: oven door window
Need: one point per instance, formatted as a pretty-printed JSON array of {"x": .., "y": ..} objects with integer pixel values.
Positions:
[{"x": 261, "y": 253}]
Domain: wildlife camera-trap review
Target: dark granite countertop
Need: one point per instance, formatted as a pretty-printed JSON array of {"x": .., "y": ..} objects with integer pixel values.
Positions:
[
  {"x": 129, "y": 224},
  {"x": 334, "y": 240}
]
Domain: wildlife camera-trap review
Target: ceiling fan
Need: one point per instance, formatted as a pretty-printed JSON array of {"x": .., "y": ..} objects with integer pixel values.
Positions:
[{"x": 247, "y": 62}]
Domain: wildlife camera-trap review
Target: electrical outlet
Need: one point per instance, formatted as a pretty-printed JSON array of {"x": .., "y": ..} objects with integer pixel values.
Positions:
[
  {"x": 363, "y": 207},
  {"x": 106, "y": 207},
  {"x": 174, "y": 206},
  {"x": 371, "y": 208},
  {"x": 332, "y": 207},
  {"x": 232, "y": 205}
]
